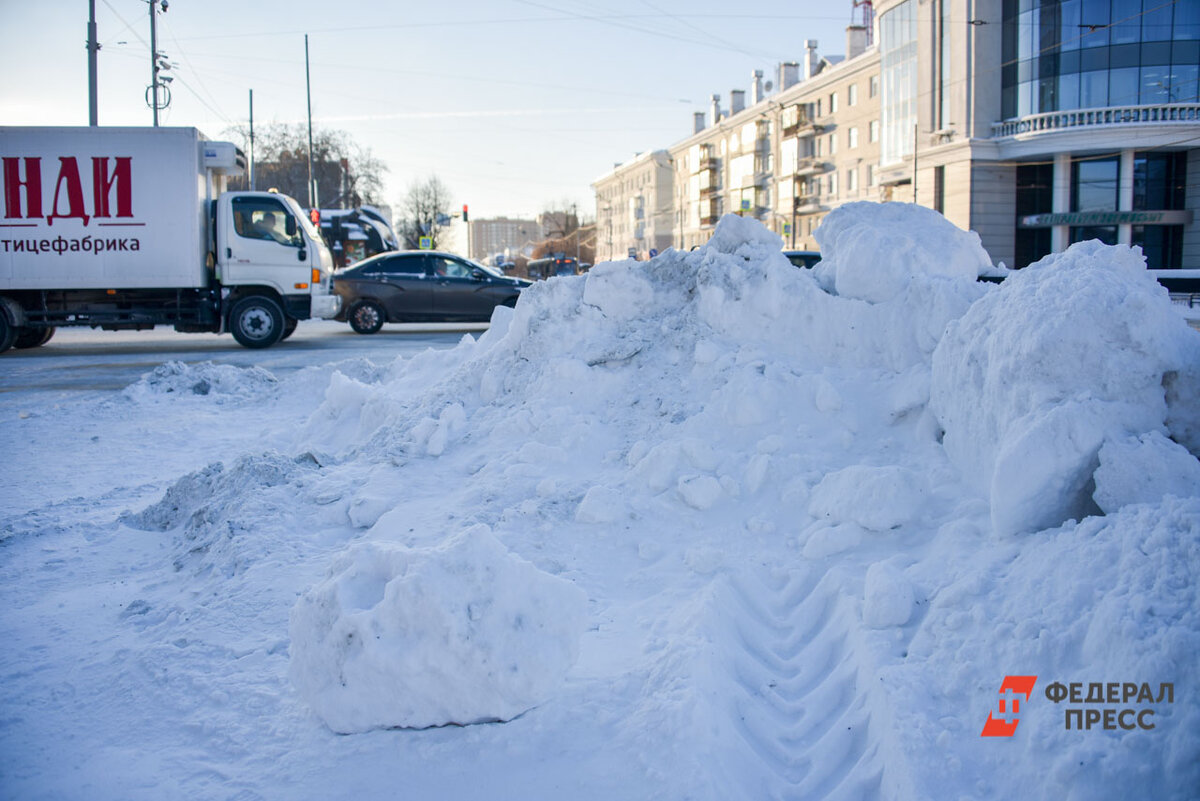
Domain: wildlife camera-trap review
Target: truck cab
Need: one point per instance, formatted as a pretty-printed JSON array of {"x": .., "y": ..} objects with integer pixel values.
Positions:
[{"x": 265, "y": 241}]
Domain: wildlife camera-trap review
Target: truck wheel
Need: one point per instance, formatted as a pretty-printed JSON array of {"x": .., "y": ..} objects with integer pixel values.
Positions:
[
  {"x": 256, "y": 322},
  {"x": 289, "y": 328},
  {"x": 33, "y": 337},
  {"x": 8, "y": 332},
  {"x": 366, "y": 317}
]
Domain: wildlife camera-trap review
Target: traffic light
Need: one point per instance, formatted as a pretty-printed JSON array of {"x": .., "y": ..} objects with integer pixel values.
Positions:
[
  {"x": 464, "y": 212},
  {"x": 315, "y": 216}
]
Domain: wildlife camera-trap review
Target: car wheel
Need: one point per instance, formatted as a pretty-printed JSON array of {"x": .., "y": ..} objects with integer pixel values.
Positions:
[
  {"x": 366, "y": 317},
  {"x": 256, "y": 322}
]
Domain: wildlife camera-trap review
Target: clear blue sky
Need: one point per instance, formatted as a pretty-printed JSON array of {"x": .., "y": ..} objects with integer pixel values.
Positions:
[{"x": 515, "y": 104}]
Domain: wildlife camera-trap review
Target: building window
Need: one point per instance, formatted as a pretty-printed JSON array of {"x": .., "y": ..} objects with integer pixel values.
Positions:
[
  {"x": 852, "y": 180},
  {"x": 1094, "y": 184},
  {"x": 1067, "y": 54},
  {"x": 944, "y": 27},
  {"x": 873, "y": 131},
  {"x": 939, "y": 189},
  {"x": 832, "y": 143},
  {"x": 819, "y": 108},
  {"x": 898, "y": 68},
  {"x": 833, "y": 103},
  {"x": 832, "y": 187},
  {"x": 852, "y": 95},
  {"x": 852, "y": 138},
  {"x": 873, "y": 86},
  {"x": 1035, "y": 195},
  {"x": 872, "y": 176}
]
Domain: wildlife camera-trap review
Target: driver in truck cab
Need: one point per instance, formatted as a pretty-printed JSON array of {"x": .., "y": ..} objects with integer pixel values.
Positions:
[{"x": 266, "y": 227}]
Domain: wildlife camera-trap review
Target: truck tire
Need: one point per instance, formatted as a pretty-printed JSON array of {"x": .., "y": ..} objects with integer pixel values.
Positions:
[
  {"x": 33, "y": 337},
  {"x": 257, "y": 321},
  {"x": 366, "y": 317},
  {"x": 8, "y": 331}
]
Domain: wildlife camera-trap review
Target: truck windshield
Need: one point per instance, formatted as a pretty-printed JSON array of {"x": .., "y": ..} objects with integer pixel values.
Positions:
[{"x": 313, "y": 234}]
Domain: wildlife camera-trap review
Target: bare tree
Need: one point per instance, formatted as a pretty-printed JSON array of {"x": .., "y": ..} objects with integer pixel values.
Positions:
[
  {"x": 347, "y": 175},
  {"x": 424, "y": 211}
]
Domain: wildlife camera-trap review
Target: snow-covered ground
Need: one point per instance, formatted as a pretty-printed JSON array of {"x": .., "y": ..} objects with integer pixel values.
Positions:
[{"x": 707, "y": 527}]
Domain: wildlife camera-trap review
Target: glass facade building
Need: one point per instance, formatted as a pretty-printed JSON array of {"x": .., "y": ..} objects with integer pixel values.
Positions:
[
  {"x": 1059, "y": 55},
  {"x": 898, "y": 68}
]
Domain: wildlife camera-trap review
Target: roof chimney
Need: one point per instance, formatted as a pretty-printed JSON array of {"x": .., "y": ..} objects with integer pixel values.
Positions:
[
  {"x": 737, "y": 101},
  {"x": 698, "y": 122},
  {"x": 756, "y": 88},
  {"x": 856, "y": 40},
  {"x": 789, "y": 74},
  {"x": 715, "y": 110},
  {"x": 811, "y": 59}
]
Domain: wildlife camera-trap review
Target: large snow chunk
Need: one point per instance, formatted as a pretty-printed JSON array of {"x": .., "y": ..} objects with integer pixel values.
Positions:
[
  {"x": 463, "y": 632},
  {"x": 1039, "y": 373},
  {"x": 887, "y": 597},
  {"x": 872, "y": 251},
  {"x": 876, "y": 498},
  {"x": 744, "y": 236},
  {"x": 1144, "y": 469}
]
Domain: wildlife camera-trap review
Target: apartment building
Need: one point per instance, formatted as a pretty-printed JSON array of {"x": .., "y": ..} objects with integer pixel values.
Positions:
[
  {"x": 501, "y": 236},
  {"x": 634, "y": 208},
  {"x": 1036, "y": 123}
]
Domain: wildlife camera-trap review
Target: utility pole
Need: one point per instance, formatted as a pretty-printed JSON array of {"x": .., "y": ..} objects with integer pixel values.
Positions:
[
  {"x": 251, "y": 140},
  {"x": 154, "y": 61},
  {"x": 312, "y": 189},
  {"x": 156, "y": 85},
  {"x": 93, "y": 46}
]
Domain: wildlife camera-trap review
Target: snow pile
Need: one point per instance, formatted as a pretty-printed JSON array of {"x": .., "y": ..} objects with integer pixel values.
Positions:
[
  {"x": 793, "y": 588},
  {"x": 1111, "y": 599},
  {"x": 1064, "y": 356},
  {"x": 221, "y": 381},
  {"x": 215, "y": 510},
  {"x": 463, "y": 632},
  {"x": 873, "y": 252}
]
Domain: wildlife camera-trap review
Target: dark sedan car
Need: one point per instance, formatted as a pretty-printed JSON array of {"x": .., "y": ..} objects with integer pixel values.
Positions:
[
  {"x": 421, "y": 286},
  {"x": 803, "y": 258}
]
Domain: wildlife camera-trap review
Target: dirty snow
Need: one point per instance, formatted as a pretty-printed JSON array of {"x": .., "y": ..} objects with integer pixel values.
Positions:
[{"x": 768, "y": 534}]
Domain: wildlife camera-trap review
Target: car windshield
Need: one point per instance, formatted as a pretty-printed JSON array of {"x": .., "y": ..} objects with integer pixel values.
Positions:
[{"x": 492, "y": 271}]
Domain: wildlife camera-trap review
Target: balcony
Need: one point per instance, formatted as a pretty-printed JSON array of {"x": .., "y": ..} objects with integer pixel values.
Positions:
[
  {"x": 806, "y": 204},
  {"x": 1095, "y": 119},
  {"x": 802, "y": 128},
  {"x": 811, "y": 166},
  {"x": 707, "y": 164}
]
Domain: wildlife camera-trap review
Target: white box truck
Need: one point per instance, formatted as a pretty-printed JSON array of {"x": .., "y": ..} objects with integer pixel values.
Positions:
[{"x": 129, "y": 228}]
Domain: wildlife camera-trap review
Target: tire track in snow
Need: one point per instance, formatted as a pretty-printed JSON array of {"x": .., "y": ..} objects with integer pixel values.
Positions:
[{"x": 799, "y": 708}]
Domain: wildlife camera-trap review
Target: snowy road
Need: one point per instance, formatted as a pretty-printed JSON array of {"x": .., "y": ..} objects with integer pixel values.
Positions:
[{"x": 83, "y": 359}]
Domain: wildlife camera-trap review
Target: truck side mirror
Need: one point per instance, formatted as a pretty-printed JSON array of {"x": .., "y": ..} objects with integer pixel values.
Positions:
[{"x": 290, "y": 225}]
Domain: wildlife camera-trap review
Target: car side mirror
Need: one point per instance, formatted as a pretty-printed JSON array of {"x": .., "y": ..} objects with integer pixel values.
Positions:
[{"x": 478, "y": 274}]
